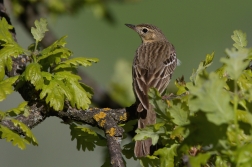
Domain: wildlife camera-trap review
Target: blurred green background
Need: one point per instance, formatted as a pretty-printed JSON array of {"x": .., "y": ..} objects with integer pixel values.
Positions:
[{"x": 196, "y": 28}]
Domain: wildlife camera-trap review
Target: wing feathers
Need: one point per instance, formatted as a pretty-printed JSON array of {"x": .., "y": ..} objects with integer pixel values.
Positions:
[{"x": 153, "y": 66}]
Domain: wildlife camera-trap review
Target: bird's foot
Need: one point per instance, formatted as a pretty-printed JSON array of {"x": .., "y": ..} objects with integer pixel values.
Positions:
[{"x": 168, "y": 97}]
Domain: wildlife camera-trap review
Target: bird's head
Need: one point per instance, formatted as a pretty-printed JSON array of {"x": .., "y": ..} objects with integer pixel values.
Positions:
[{"x": 148, "y": 32}]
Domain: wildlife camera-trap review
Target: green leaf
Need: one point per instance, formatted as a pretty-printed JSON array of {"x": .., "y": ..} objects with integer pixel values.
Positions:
[
  {"x": 244, "y": 116},
  {"x": 240, "y": 39},
  {"x": 10, "y": 50},
  {"x": 6, "y": 87},
  {"x": 148, "y": 132},
  {"x": 33, "y": 74},
  {"x": 178, "y": 132},
  {"x": 20, "y": 109},
  {"x": 181, "y": 85},
  {"x": 167, "y": 155},
  {"x": 202, "y": 66},
  {"x": 5, "y": 34},
  {"x": 128, "y": 150},
  {"x": 129, "y": 126},
  {"x": 208, "y": 59},
  {"x": 10, "y": 47},
  {"x": 2, "y": 70},
  {"x": 2, "y": 115},
  {"x": 55, "y": 56},
  {"x": 210, "y": 97},
  {"x": 235, "y": 63},
  {"x": 54, "y": 93},
  {"x": 201, "y": 130},
  {"x": 31, "y": 47},
  {"x": 67, "y": 75},
  {"x": 46, "y": 75},
  {"x": 76, "y": 61},
  {"x": 242, "y": 156},
  {"x": 158, "y": 126},
  {"x": 158, "y": 104},
  {"x": 54, "y": 51},
  {"x": 222, "y": 72},
  {"x": 63, "y": 85},
  {"x": 88, "y": 89},
  {"x": 220, "y": 162},
  {"x": 179, "y": 112},
  {"x": 80, "y": 97},
  {"x": 13, "y": 137},
  {"x": 149, "y": 161},
  {"x": 199, "y": 160},
  {"x": 39, "y": 30},
  {"x": 234, "y": 133},
  {"x": 28, "y": 134},
  {"x": 86, "y": 138},
  {"x": 245, "y": 81}
]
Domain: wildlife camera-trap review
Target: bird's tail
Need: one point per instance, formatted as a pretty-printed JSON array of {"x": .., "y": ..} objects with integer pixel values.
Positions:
[
  {"x": 146, "y": 117},
  {"x": 142, "y": 148}
]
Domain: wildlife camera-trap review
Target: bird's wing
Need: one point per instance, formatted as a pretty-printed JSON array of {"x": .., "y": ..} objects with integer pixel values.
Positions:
[
  {"x": 157, "y": 74},
  {"x": 162, "y": 76},
  {"x": 140, "y": 86}
]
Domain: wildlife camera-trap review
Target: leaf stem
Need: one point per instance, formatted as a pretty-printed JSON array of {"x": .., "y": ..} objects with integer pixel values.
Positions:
[{"x": 236, "y": 99}]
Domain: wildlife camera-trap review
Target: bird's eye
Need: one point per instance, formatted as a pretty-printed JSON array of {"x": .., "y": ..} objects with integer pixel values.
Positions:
[{"x": 144, "y": 30}]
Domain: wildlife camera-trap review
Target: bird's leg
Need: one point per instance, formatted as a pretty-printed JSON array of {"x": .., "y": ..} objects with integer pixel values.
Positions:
[{"x": 169, "y": 97}]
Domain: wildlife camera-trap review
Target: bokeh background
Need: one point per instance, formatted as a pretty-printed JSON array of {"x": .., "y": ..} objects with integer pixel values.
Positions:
[{"x": 195, "y": 27}]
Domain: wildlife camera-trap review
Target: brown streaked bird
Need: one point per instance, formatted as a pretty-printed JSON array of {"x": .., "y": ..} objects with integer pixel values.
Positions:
[{"x": 153, "y": 65}]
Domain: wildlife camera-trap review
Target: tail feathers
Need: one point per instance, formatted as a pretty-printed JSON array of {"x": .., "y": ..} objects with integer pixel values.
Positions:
[{"x": 142, "y": 148}]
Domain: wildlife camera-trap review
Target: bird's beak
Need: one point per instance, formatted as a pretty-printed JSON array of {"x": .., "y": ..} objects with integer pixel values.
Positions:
[{"x": 131, "y": 26}]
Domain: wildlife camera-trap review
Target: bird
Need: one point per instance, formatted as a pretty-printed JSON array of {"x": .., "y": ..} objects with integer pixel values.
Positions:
[{"x": 153, "y": 65}]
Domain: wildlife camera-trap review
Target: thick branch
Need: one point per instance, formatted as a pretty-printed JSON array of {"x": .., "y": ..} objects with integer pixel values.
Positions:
[{"x": 106, "y": 119}]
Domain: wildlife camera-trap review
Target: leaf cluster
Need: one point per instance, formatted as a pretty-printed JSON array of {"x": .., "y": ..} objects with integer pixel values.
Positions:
[
  {"x": 86, "y": 138},
  {"x": 209, "y": 123},
  {"x": 51, "y": 71},
  {"x": 12, "y": 136}
]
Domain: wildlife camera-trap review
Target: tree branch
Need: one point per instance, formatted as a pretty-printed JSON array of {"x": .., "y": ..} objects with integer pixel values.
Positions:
[{"x": 106, "y": 119}]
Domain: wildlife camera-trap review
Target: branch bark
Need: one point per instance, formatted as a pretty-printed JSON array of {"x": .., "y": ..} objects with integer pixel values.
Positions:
[{"x": 106, "y": 119}]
